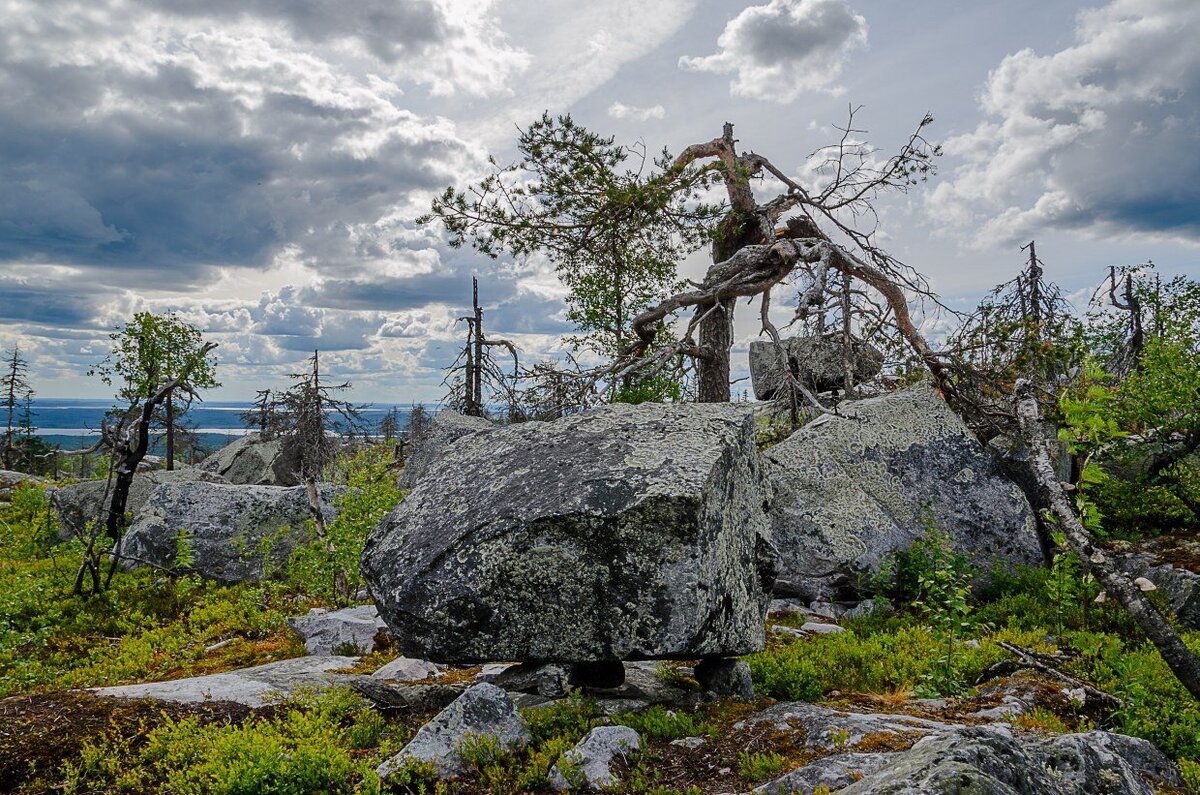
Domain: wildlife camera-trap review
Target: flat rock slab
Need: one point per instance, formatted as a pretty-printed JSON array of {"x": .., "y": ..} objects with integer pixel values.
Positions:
[
  {"x": 627, "y": 532},
  {"x": 350, "y": 630},
  {"x": 238, "y": 533},
  {"x": 852, "y": 490},
  {"x": 254, "y": 687}
]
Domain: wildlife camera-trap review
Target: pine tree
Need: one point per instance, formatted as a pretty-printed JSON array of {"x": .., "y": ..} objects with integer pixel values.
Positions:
[{"x": 18, "y": 399}]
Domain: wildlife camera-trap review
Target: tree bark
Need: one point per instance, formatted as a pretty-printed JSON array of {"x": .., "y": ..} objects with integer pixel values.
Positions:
[{"x": 1175, "y": 654}]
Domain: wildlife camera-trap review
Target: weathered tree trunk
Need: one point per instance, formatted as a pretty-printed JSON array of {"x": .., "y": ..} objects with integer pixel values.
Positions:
[
  {"x": 170, "y": 433},
  {"x": 1178, "y": 658},
  {"x": 716, "y": 338}
]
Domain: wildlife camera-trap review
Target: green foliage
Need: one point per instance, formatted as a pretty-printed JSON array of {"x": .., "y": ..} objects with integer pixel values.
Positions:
[
  {"x": 1191, "y": 775},
  {"x": 614, "y": 233},
  {"x": 329, "y": 569},
  {"x": 757, "y": 766},
  {"x": 660, "y": 723},
  {"x": 150, "y": 350},
  {"x": 28, "y": 526},
  {"x": 657, "y": 388},
  {"x": 307, "y": 748}
]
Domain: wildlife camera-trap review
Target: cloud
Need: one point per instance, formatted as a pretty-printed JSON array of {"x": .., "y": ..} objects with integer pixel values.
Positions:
[
  {"x": 784, "y": 48},
  {"x": 1098, "y": 137},
  {"x": 619, "y": 110}
]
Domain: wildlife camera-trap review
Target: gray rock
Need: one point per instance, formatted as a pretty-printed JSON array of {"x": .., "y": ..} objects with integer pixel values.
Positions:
[
  {"x": 830, "y": 728},
  {"x": 834, "y": 772},
  {"x": 551, "y": 680},
  {"x": 690, "y": 743},
  {"x": 589, "y": 763},
  {"x": 406, "y": 669},
  {"x": 725, "y": 677},
  {"x": 350, "y": 630},
  {"x": 254, "y": 687},
  {"x": 483, "y": 711},
  {"x": 818, "y": 363},
  {"x": 992, "y": 760},
  {"x": 9, "y": 480},
  {"x": 628, "y": 532},
  {"x": 238, "y": 533},
  {"x": 445, "y": 430},
  {"x": 1180, "y": 586},
  {"x": 852, "y": 490},
  {"x": 252, "y": 461},
  {"x": 79, "y": 503}
]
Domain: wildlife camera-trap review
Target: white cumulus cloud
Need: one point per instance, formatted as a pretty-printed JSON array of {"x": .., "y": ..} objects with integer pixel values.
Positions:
[
  {"x": 779, "y": 50},
  {"x": 619, "y": 110},
  {"x": 1098, "y": 137}
]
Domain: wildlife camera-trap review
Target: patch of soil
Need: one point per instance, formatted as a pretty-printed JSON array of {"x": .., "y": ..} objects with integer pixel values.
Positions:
[{"x": 40, "y": 732}]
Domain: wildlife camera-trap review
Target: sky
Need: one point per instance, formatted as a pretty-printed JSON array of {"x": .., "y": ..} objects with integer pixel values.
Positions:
[{"x": 257, "y": 166}]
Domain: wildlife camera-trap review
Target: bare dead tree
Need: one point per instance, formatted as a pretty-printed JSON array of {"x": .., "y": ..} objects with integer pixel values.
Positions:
[
  {"x": 751, "y": 255},
  {"x": 1181, "y": 661},
  {"x": 476, "y": 367}
]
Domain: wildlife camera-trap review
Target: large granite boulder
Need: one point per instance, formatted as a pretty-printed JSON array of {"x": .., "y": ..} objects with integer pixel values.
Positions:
[
  {"x": 254, "y": 461},
  {"x": 628, "y": 532},
  {"x": 237, "y": 533},
  {"x": 441, "y": 435},
  {"x": 851, "y": 490},
  {"x": 80, "y": 503},
  {"x": 9, "y": 480},
  {"x": 818, "y": 361}
]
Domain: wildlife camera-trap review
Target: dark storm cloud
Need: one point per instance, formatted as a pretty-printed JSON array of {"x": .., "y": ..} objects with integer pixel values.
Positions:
[
  {"x": 56, "y": 306},
  {"x": 408, "y": 292}
]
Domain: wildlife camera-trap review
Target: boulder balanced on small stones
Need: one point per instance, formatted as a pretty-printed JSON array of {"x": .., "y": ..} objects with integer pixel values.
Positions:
[
  {"x": 237, "y": 533},
  {"x": 851, "y": 490},
  {"x": 628, "y": 532},
  {"x": 819, "y": 363}
]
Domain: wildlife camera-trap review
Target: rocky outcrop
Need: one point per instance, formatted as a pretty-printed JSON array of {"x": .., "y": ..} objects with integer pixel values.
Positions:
[
  {"x": 818, "y": 361},
  {"x": 589, "y": 764},
  {"x": 254, "y": 461},
  {"x": 851, "y": 490},
  {"x": 80, "y": 503},
  {"x": 350, "y": 630},
  {"x": 439, "y": 438},
  {"x": 932, "y": 757},
  {"x": 9, "y": 480},
  {"x": 483, "y": 712},
  {"x": 236, "y": 533},
  {"x": 628, "y": 532}
]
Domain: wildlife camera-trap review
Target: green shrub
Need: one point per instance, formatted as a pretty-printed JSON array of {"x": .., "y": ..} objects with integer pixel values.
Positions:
[
  {"x": 757, "y": 766},
  {"x": 660, "y": 723}
]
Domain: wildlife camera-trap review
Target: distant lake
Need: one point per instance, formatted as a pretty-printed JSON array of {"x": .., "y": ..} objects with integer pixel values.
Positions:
[{"x": 72, "y": 423}]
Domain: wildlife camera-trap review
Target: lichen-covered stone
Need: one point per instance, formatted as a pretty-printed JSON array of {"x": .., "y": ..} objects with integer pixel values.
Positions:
[
  {"x": 83, "y": 502},
  {"x": 235, "y": 531},
  {"x": 851, "y": 490},
  {"x": 628, "y": 532},
  {"x": 9, "y": 480},
  {"x": 723, "y": 676},
  {"x": 832, "y": 772},
  {"x": 589, "y": 764},
  {"x": 993, "y": 760},
  {"x": 254, "y": 461},
  {"x": 441, "y": 435},
  {"x": 1180, "y": 587},
  {"x": 350, "y": 630},
  {"x": 484, "y": 712},
  {"x": 819, "y": 363}
]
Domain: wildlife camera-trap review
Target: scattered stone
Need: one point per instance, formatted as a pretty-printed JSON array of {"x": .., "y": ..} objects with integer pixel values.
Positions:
[
  {"x": 588, "y": 764},
  {"x": 832, "y": 772},
  {"x": 254, "y": 687},
  {"x": 406, "y": 669},
  {"x": 551, "y": 680},
  {"x": 483, "y": 711},
  {"x": 350, "y": 630},
  {"x": 489, "y": 672},
  {"x": 9, "y": 480},
  {"x": 818, "y": 361},
  {"x": 622, "y": 533},
  {"x": 788, "y": 606},
  {"x": 851, "y": 490},
  {"x": 253, "y": 461},
  {"x": 447, "y": 428},
  {"x": 723, "y": 676},
  {"x": 1180, "y": 586},
  {"x": 827, "y": 610},
  {"x": 690, "y": 743},
  {"x": 818, "y": 628},
  {"x": 83, "y": 502},
  {"x": 237, "y": 533}
]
